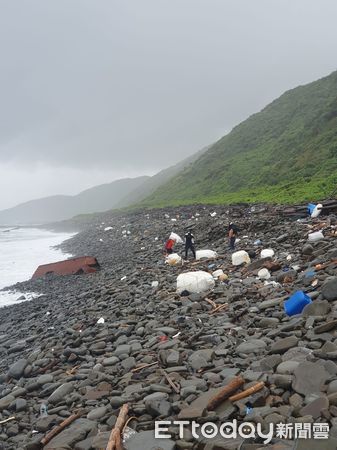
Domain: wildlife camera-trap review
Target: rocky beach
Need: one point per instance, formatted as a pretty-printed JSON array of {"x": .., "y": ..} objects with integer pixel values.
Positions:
[{"x": 93, "y": 343}]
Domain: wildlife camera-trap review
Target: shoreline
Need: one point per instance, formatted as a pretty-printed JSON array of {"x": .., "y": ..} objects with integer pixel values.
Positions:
[
  {"x": 53, "y": 252},
  {"x": 55, "y": 350}
]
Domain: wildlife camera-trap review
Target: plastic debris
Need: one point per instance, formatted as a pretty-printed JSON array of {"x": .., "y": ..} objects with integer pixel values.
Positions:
[
  {"x": 128, "y": 433},
  {"x": 217, "y": 273},
  {"x": 206, "y": 254},
  {"x": 316, "y": 236},
  {"x": 267, "y": 253},
  {"x": 296, "y": 303},
  {"x": 195, "y": 282},
  {"x": 264, "y": 274},
  {"x": 240, "y": 257},
  {"x": 314, "y": 210},
  {"x": 174, "y": 259},
  {"x": 108, "y": 229},
  {"x": 101, "y": 320},
  {"x": 43, "y": 410},
  {"x": 176, "y": 237}
]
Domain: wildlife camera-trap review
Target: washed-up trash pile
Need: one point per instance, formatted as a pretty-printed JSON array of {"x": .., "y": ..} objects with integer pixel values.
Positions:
[{"x": 249, "y": 335}]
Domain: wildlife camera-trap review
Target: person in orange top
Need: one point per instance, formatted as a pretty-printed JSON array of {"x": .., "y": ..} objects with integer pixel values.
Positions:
[{"x": 169, "y": 246}]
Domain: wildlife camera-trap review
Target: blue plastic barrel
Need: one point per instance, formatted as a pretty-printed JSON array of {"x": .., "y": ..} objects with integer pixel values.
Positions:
[
  {"x": 310, "y": 208},
  {"x": 296, "y": 303}
]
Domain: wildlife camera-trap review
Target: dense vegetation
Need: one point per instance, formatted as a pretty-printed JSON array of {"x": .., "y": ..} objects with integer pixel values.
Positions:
[{"x": 285, "y": 153}]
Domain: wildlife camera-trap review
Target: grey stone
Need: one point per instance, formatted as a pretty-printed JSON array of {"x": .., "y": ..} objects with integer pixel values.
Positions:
[
  {"x": 146, "y": 440},
  {"x": 123, "y": 350},
  {"x": 116, "y": 402},
  {"x": 45, "y": 379},
  {"x": 309, "y": 378},
  {"x": 129, "y": 363},
  {"x": 157, "y": 404},
  {"x": 200, "y": 358},
  {"x": 251, "y": 346},
  {"x": 317, "y": 308},
  {"x": 332, "y": 388},
  {"x": 97, "y": 413},
  {"x": 20, "y": 404},
  {"x": 100, "y": 441},
  {"x": 17, "y": 369},
  {"x": 287, "y": 367},
  {"x": 74, "y": 433},
  {"x": 325, "y": 327},
  {"x": 315, "y": 408},
  {"x": 60, "y": 393},
  {"x": 110, "y": 361},
  {"x": 173, "y": 358},
  {"x": 6, "y": 401},
  {"x": 307, "y": 249},
  {"x": 282, "y": 345},
  {"x": 329, "y": 289}
]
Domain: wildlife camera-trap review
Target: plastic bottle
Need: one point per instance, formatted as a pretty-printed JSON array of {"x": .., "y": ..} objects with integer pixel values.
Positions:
[{"x": 43, "y": 410}]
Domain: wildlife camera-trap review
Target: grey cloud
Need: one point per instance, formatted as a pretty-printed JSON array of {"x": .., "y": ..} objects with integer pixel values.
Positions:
[{"x": 141, "y": 84}]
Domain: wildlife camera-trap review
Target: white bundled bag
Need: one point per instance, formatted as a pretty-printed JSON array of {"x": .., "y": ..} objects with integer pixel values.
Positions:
[
  {"x": 240, "y": 257},
  {"x": 173, "y": 260},
  {"x": 264, "y": 274},
  {"x": 176, "y": 238},
  {"x": 267, "y": 253},
  {"x": 316, "y": 236},
  {"x": 317, "y": 210},
  {"x": 205, "y": 254},
  {"x": 195, "y": 282},
  {"x": 218, "y": 273}
]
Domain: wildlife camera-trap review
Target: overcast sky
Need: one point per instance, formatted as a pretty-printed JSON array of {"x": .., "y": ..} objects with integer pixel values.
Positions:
[{"x": 95, "y": 90}]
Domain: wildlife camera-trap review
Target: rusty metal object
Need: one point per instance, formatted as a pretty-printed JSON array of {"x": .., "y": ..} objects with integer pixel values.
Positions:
[{"x": 73, "y": 266}]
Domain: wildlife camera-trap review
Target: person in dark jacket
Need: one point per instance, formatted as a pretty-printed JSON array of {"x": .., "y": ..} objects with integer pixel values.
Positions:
[
  {"x": 232, "y": 235},
  {"x": 189, "y": 244}
]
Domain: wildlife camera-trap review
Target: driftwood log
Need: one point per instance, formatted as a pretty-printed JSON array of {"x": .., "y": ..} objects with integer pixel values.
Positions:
[
  {"x": 225, "y": 393},
  {"x": 60, "y": 428},
  {"x": 257, "y": 387},
  {"x": 115, "y": 439}
]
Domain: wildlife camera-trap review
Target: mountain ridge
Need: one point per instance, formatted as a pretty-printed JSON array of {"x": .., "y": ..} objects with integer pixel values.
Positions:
[{"x": 286, "y": 152}]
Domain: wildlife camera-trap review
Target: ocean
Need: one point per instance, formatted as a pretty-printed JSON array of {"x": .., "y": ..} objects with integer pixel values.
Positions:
[{"x": 22, "y": 250}]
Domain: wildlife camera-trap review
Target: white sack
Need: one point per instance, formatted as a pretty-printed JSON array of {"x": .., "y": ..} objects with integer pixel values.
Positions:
[
  {"x": 176, "y": 238},
  {"x": 207, "y": 254},
  {"x": 173, "y": 259},
  {"x": 317, "y": 236},
  {"x": 195, "y": 282},
  {"x": 267, "y": 253},
  {"x": 240, "y": 257}
]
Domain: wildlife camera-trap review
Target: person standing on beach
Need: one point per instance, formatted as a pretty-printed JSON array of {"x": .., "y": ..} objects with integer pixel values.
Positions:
[
  {"x": 189, "y": 244},
  {"x": 232, "y": 235}
]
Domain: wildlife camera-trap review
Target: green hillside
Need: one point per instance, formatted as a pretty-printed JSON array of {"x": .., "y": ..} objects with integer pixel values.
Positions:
[{"x": 285, "y": 153}]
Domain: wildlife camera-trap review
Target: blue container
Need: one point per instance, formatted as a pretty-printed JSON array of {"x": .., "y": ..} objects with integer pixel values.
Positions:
[
  {"x": 310, "y": 208},
  {"x": 296, "y": 303}
]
